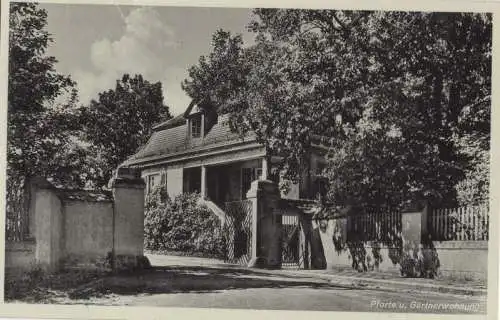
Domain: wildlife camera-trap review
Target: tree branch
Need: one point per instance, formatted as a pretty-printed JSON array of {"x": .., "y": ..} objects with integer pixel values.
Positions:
[{"x": 342, "y": 25}]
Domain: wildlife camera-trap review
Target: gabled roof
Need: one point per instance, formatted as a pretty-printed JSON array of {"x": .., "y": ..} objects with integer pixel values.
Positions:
[
  {"x": 201, "y": 105},
  {"x": 175, "y": 141},
  {"x": 174, "y": 122}
]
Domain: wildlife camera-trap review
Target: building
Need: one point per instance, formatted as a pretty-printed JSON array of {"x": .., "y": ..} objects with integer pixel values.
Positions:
[{"x": 197, "y": 151}]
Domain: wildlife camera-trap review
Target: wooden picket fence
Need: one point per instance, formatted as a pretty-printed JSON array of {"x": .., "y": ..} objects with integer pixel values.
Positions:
[{"x": 460, "y": 224}]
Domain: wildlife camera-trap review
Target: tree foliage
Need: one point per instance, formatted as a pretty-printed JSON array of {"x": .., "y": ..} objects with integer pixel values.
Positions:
[
  {"x": 39, "y": 128},
  {"x": 385, "y": 92},
  {"x": 49, "y": 135},
  {"x": 40, "y": 113},
  {"x": 119, "y": 122}
]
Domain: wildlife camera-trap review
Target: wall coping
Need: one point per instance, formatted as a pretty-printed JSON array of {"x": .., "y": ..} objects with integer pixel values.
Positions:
[
  {"x": 453, "y": 245},
  {"x": 414, "y": 206},
  {"x": 28, "y": 245},
  {"x": 268, "y": 187},
  {"x": 482, "y": 245},
  {"x": 85, "y": 195},
  {"x": 137, "y": 183}
]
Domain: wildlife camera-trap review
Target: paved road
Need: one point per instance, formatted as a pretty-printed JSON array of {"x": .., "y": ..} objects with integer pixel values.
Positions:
[
  {"x": 191, "y": 282},
  {"x": 297, "y": 298}
]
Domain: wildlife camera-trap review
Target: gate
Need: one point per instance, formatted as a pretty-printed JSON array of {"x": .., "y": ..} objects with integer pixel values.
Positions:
[
  {"x": 238, "y": 232},
  {"x": 290, "y": 242}
]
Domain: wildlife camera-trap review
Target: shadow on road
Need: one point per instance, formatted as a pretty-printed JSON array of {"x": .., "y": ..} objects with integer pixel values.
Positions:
[
  {"x": 171, "y": 279},
  {"x": 189, "y": 279}
]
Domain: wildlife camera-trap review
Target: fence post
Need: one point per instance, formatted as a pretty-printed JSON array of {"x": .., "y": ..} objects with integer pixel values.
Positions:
[
  {"x": 128, "y": 219},
  {"x": 266, "y": 224}
]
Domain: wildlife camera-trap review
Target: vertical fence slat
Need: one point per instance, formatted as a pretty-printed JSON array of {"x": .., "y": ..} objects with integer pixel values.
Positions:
[
  {"x": 442, "y": 234},
  {"x": 431, "y": 223},
  {"x": 487, "y": 219},
  {"x": 478, "y": 213},
  {"x": 470, "y": 223},
  {"x": 484, "y": 224},
  {"x": 463, "y": 223},
  {"x": 454, "y": 229},
  {"x": 438, "y": 225},
  {"x": 445, "y": 224},
  {"x": 475, "y": 224}
]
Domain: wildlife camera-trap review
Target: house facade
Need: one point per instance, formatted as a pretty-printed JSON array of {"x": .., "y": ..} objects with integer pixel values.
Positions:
[{"x": 197, "y": 152}]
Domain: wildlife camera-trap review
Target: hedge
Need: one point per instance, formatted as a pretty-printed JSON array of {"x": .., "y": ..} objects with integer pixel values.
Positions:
[{"x": 181, "y": 225}]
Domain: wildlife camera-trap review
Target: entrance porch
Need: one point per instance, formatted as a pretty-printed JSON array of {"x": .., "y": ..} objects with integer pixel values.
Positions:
[{"x": 225, "y": 182}]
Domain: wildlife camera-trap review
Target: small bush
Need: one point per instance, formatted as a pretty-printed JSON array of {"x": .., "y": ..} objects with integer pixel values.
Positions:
[{"x": 181, "y": 225}]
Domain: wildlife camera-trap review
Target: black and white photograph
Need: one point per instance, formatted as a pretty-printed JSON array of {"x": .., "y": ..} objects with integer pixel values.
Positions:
[{"x": 285, "y": 159}]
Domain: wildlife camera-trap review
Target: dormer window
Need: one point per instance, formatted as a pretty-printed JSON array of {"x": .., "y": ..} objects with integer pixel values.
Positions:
[{"x": 196, "y": 126}]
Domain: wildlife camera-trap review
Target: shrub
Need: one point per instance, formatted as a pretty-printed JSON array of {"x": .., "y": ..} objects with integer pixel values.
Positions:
[{"x": 181, "y": 225}]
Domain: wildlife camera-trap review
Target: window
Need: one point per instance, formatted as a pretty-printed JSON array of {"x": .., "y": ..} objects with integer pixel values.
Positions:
[
  {"x": 320, "y": 167},
  {"x": 153, "y": 182},
  {"x": 163, "y": 179},
  {"x": 320, "y": 187},
  {"x": 196, "y": 126}
]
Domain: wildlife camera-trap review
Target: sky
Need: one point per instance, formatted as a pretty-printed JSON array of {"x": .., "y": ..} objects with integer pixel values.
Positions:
[{"x": 96, "y": 44}]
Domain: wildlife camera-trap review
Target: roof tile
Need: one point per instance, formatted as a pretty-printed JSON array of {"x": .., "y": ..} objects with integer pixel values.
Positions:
[{"x": 175, "y": 140}]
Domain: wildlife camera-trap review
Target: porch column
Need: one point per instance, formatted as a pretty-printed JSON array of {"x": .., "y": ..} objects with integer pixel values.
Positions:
[
  {"x": 203, "y": 190},
  {"x": 264, "y": 168}
]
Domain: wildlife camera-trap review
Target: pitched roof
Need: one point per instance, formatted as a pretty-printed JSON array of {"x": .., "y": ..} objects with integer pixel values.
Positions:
[{"x": 173, "y": 141}]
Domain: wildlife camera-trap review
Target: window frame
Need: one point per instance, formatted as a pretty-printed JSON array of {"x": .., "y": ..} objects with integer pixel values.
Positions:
[
  {"x": 195, "y": 123},
  {"x": 151, "y": 179}
]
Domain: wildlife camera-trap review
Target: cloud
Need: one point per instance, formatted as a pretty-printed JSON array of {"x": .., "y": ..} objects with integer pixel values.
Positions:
[
  {"x": 143, "y": 48},
  {"x": 173, "y": 94}
]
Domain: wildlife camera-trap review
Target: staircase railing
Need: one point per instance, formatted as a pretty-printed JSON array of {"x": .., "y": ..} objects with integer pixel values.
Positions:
[{"x": 215, "y": 209}]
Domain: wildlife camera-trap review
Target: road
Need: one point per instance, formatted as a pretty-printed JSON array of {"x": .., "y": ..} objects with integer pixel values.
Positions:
[
  {"x": 195, "y": 283},
  {"x": 303, "y": 298}
]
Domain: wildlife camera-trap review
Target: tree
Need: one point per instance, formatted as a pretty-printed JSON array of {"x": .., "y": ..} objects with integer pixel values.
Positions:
[
  {"x": 214, "y": 78},
  {"x": 39, "y": 128},
  {"x": 119, "y": 122},
  {"x": 384, "y": 91}
]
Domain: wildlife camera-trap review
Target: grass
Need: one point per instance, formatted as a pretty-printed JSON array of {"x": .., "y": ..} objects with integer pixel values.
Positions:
[
  {"x": 183, "y": 254},
  {"x": 36, "y": 286}
]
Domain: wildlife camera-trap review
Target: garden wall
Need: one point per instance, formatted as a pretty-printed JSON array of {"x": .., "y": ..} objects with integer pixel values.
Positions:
[
  {"x": 88, "y": 231},
  {"x": 82, "y": 228},
  {"x": 468, "y": 259},
  {"x": 463, "y": 259},
  {"x": 20, "y": 255}
]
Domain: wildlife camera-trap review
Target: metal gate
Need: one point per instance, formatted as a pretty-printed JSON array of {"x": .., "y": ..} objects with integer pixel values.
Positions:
[
  {"x": 290, "y": 240},
  {"x": 238, "y": 232}
]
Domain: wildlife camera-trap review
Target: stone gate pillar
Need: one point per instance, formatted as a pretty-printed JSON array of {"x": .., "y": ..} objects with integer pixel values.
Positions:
[
  {"x": 266, "y": 224},
  {"x": 414, "y": 222},
  {"x": 128, "y": 220},
  {"x": 417, "y": 243}
]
